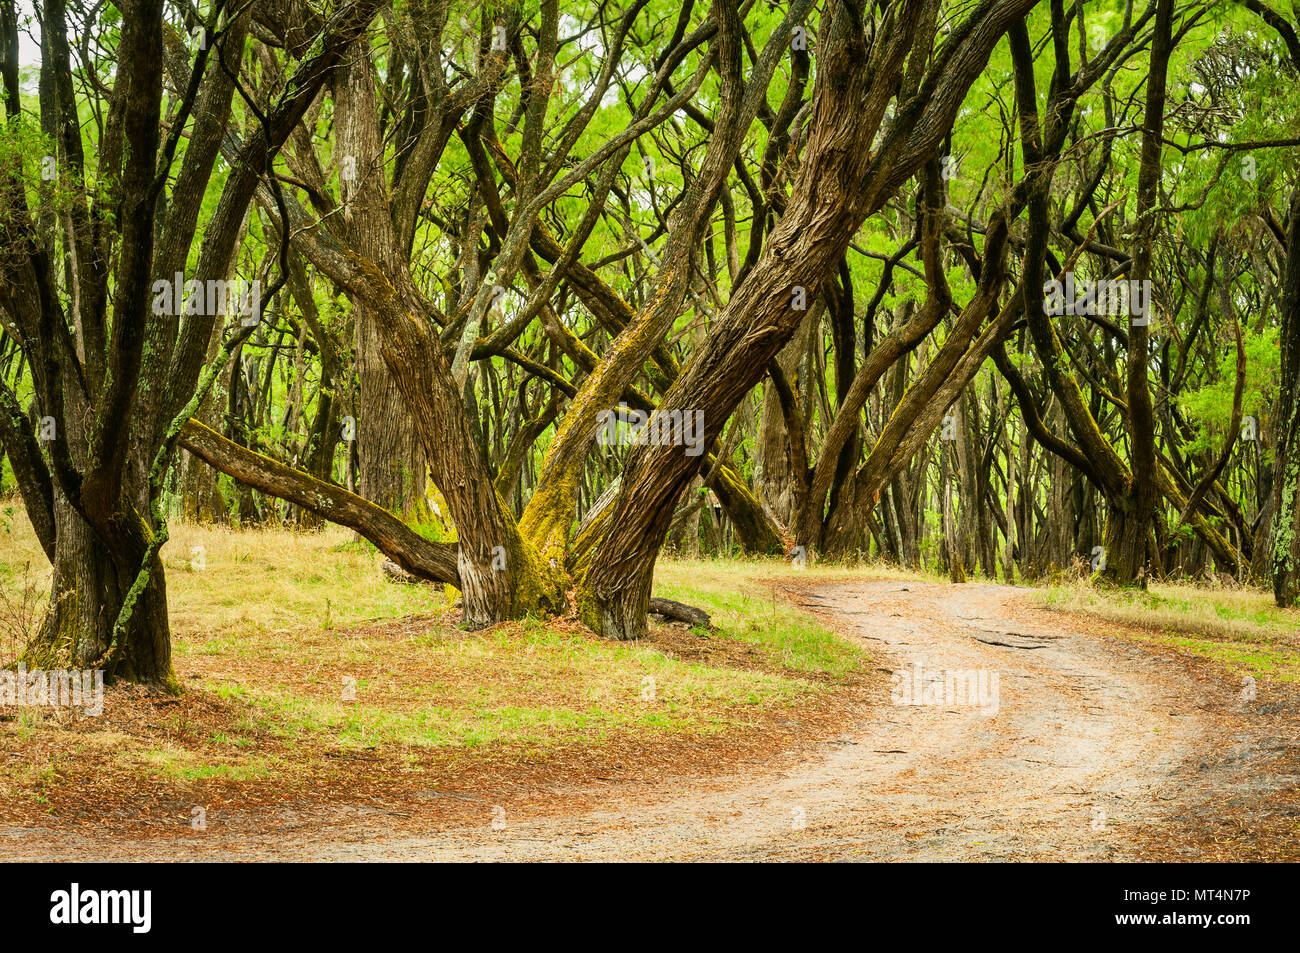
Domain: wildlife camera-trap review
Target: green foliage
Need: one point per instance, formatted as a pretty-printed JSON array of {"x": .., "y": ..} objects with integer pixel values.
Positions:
[{"x": 1208, "y": 408}]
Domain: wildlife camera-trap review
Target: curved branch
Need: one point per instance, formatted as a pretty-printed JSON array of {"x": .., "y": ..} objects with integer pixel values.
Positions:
[{"x": 417, "y": 555}]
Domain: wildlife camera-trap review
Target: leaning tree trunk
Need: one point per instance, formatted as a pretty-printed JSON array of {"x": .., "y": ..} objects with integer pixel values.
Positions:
[
  {"x": 756, "y": 530},
  {"x": 839, "y": 183},
  {"x": 500, "y": 575},
  {"x": 763, "y": 313}
]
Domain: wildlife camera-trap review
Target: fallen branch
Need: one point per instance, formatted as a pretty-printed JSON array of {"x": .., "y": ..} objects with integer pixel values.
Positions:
[{"x": 678, "y": 611}]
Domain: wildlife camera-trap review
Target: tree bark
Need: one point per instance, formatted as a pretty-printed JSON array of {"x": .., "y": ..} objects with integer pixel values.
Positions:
[
  {"x": 92, "y": 577},
  {"x": 393, "y": 467},
  {"x": 1129, "y": 522},
  {"x": 1286, "y": 466}
]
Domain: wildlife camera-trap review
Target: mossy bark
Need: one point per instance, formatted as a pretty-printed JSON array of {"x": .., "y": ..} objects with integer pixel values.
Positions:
[
  {"x": 1127, "y": 544},
  {"x": 1286, "y": 537},
  {"x": 92, "y": 577},
  {"x": 755, "y": 528},
  {"x": 1286, "y": 474}
]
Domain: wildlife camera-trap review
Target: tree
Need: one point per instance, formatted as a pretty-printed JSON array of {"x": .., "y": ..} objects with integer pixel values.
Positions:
[
  {"x": 768, "y": 277},
  {"x": 115, "y": 374}
]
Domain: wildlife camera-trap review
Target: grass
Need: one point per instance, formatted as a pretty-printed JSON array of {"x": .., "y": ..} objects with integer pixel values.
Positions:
[
  {"x": 228, "y": 583},
  {"x": 521, "y": 684},
  {"x": 735, "y": 594},
  {"x": 297, "y": 656},
  {"x": 1240, "y": 628},
  {"x": 178, "y": 763}
]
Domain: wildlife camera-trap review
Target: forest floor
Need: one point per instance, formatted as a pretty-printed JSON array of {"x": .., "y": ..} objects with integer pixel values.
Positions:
[{"x": 778, "y": 736}]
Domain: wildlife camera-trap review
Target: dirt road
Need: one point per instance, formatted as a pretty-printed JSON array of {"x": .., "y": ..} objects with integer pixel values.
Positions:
[{"x": 1078, "y": 743}]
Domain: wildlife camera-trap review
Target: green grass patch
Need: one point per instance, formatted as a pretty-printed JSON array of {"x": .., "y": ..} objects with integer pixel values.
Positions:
[
  {"x": 742, "y": 606},
  {"x": 1240, "y": 629}
]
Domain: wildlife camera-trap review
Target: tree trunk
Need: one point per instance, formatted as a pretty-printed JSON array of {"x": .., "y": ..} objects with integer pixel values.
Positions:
[
  {"x": 1127, "y": 540},
  {"x": 393, "y": 465},
  {"x": 1130, "y": 521},
  {"x": 201, "y": 499},
  {"x": 777, "y": 481},
  {"x": 832, "y": 195},
  {"x": 91, "y": 580},
  {"x": 395, "y": 539},
  {"x": 755, "y": 529},
  {"x": 1009, "y": 556},
  {"x": 1286, "y": 466}
]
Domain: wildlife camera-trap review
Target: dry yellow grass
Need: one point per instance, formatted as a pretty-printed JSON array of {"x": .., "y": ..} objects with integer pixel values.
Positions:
[{"x": 221, "y": 578}]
